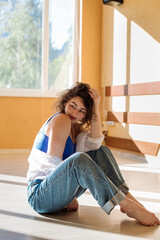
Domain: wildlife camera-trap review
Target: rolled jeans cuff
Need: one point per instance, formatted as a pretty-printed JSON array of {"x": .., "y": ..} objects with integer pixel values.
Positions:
[
  {"x": 118, "y": 197},
  {"x": 124, "y": 188}
]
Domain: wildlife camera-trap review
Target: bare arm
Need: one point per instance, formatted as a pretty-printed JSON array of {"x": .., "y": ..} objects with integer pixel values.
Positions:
[
  {"x": 58, "y": 132},
  {"x": 96, "y": 130}
]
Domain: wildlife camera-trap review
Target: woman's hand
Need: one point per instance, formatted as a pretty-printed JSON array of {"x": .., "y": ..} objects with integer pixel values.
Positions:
[{"x": 96, "y": 98}]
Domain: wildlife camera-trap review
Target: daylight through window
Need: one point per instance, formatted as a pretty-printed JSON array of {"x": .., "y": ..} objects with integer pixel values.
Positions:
[{"x": 25, "y": 61}]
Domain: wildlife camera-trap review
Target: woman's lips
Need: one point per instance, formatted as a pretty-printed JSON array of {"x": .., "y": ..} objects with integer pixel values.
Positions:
[{"x": 72, "y": 118}]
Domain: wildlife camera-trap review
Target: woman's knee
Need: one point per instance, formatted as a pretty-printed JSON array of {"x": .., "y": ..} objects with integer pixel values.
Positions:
[
  {"x": 105, "y": 149},
  {"x": 82, "y": 159},
  {"x": 77, "y": 159}
]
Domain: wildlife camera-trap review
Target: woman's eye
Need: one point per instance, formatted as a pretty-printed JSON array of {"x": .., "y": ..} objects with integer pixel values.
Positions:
[
  {"x": 73, "y": 106},
  {"x": 81, "y": 111}
]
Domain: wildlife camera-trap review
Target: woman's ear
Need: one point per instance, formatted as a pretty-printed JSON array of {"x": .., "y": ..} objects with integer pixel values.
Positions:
[{"x": 64, "y": 105}]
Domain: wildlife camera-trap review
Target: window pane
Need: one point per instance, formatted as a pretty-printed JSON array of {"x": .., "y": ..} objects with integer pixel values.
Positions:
[
  {"x": 61, "y": 25},
  {"x": 20, "y": 43}
]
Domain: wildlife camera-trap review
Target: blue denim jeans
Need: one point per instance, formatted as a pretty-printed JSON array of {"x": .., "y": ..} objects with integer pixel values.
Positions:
[{"x": 95, "y": 170}]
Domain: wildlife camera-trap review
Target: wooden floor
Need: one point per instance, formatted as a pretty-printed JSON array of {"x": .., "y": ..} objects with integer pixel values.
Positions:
[{"x": 19, "y": 222}]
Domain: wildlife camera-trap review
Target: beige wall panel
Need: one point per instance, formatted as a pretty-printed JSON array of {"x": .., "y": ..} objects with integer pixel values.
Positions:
[
  {"x": 91, "y": 43},
  {"x": 20, "y": 120},
  {"x": 141, "y": 37},
  {"x": 119, "y": 130}
]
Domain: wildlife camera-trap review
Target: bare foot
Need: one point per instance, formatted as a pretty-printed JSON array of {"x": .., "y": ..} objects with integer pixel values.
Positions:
[
  {"x": 134, "y": 210},
  {"x": 73, "y": 206},
  {"x": 129, "y": 195},
  {"x": 122, "y": 210}
]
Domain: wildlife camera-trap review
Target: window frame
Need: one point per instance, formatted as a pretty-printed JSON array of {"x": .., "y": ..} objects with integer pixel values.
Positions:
[{"x": 44, "y": 91}]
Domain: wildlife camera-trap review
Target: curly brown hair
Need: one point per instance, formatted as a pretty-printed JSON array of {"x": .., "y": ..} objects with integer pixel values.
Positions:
[{"x": 81, "y": 90}]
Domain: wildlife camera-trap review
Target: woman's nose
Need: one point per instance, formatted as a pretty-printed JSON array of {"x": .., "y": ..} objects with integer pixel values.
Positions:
[{"x": 75, "y": 112}]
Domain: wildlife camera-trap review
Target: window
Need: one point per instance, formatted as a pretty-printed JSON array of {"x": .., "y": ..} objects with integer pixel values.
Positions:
[{"x": 38, "y": 53}]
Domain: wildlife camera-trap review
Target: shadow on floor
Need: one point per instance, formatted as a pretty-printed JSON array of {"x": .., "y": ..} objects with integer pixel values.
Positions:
[
  {"x": 92, "y": 218},
  {"x": 4, "y": 234}
]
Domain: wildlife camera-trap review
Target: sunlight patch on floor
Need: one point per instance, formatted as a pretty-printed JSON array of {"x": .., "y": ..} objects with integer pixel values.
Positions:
[
  {"x": 10, "y": 178},
  {"x": 139, "y": 169}
]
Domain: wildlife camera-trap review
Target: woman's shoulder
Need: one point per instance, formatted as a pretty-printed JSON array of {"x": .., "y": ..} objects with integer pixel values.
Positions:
[
  {"x": 60, "y": 118},
  {"x": 58, "y": 122}
]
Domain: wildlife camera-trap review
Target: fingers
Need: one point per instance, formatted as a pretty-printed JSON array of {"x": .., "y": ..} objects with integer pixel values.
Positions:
[
  {"x": 96, "y": 98},
  {"x": 95, "y": 94}
]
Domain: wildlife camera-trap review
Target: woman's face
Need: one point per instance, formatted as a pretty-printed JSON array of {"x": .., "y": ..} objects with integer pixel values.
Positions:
[{"x": 75, "y": 109}]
